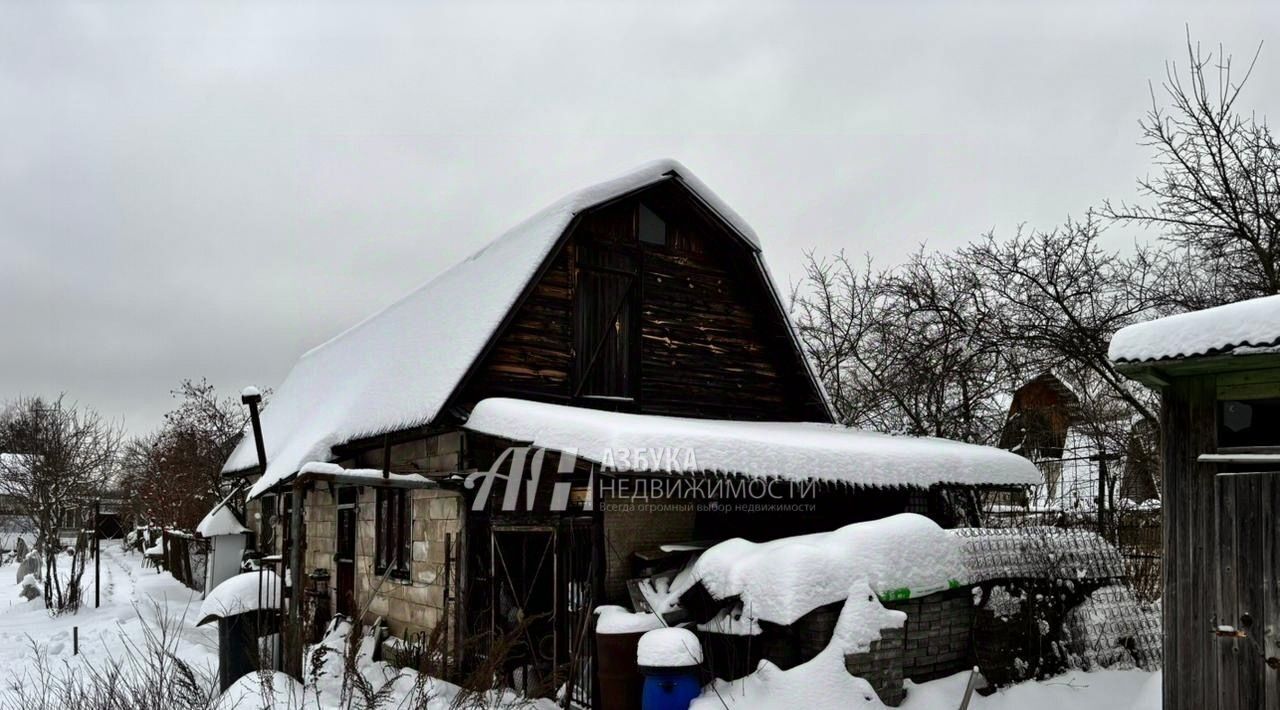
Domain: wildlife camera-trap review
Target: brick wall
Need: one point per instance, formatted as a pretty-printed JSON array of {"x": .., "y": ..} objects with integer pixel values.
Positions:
[
  {"x": 881, "y": 666},
  {"x": 937, "y": 635},
  {"x": 416, "y": 604}
]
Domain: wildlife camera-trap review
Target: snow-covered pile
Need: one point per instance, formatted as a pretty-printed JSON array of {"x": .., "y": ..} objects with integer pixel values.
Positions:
[
  {"x": 900, "y": 556},
  {"x": 611, "y": 619},
  {"x": 669, "y": 648},
  {"x": 271, "y": 691},
  {"x": 248, "y": 591},
  {"x": 377, "y": 376},
  {"x": 785, "y": 450},
  {"x": 1255, "y": 322},
  {"x": 822, "y": 682}
]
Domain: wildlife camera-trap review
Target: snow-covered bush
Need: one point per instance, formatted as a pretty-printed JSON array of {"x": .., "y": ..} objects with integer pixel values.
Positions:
[{"x": 29, "y": 588}]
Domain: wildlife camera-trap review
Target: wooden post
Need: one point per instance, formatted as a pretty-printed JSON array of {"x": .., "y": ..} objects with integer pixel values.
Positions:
[
  {"x": 449, "y": 591},
  {"x": 293, "y": 654}
]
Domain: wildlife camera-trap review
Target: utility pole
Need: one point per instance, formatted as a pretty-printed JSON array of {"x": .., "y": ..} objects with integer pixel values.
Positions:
[{"x": 97, "y": 550}]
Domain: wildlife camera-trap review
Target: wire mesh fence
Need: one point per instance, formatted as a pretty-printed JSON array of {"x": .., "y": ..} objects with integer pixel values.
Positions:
[
  {"x": 1067, "y": 573},
  {"x": 1083, "y": 493}
]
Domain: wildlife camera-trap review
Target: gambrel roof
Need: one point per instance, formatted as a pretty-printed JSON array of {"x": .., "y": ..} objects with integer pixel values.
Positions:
[{"x": 399, "y": 368}]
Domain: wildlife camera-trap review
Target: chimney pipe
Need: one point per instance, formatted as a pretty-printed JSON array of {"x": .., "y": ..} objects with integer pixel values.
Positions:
[{"x": 252, "y": 397}]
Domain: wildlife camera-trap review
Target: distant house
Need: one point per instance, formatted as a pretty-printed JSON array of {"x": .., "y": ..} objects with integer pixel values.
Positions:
[
  {"x": 624, "y": 364},
  {"x": 1218, "y": 374},
  {"x": 1046, "y": 424}
]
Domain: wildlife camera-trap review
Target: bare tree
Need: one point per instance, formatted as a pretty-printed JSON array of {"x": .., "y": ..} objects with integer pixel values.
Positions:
[
  {"x": 64, "y": 454},
  {"x": 175, "y": 473},
  {"x": 1058, "y": 296},
  {"x": 1216, "y": 195},
  {"x": 903, "y": 350}
]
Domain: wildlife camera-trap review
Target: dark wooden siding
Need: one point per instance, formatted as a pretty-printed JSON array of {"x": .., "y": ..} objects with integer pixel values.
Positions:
[
  {"x": 1187, "y": 420},
  {"x": 712, "y": 342}
]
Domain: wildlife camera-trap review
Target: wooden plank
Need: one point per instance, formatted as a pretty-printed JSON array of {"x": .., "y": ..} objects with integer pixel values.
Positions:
[
  {"x": 1173, "y": 424},
  {"x": 1203, "y": 438},
  {"x": 1226, "y": 608},
  {"x": 1270, "y": 623},
  {"x": 1251, "y": 612}
]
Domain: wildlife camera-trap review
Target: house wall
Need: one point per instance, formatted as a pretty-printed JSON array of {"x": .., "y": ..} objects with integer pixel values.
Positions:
[
  {"x": 407, "y": 606},
  {"x": 417, "y": 604}
]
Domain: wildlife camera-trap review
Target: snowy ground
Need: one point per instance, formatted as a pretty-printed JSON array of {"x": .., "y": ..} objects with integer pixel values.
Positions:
[
  {"x": 131, "y": 596},
  {"x": 135, "y": 598},
  {"x": 1101, "y": 690}
]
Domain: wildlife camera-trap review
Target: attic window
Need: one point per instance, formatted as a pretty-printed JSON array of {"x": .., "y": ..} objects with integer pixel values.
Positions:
[{"x": 652, "y": 228}]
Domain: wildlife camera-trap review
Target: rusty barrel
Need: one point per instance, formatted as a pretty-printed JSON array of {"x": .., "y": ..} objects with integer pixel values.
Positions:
[{"x": 621, "y": 683}]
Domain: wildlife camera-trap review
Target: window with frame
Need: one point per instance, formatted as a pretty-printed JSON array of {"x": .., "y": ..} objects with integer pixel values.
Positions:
[
  {"x": 392, "y": 533},
  {"x": 267, "y": 518}
]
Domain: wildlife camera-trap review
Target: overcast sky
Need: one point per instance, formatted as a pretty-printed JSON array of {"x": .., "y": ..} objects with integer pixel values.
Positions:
[{"x": 192, "y": 191}]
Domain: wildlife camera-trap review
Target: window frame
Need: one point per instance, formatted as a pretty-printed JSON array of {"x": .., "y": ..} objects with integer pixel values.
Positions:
[{"x": 392, "y": 519}]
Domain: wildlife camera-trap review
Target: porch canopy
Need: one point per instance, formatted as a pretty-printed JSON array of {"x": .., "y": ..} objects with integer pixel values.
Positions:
[
  {"x": 641, "y": 443},
  {"x": 320, "y": 471}
]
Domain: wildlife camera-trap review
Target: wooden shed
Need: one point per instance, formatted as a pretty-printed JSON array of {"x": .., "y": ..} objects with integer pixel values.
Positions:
[{"x": 1218, "y": 372}]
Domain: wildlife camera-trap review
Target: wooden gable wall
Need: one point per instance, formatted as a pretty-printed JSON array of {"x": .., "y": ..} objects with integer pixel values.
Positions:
[{"x": 712, "y": 343}]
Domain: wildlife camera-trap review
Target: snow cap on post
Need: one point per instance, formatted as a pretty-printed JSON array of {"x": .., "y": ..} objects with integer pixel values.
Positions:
[
  {"x": 669, "y": 648},
  {"x": 250, "y": 393},
  {"x": 243, "y": 593}
]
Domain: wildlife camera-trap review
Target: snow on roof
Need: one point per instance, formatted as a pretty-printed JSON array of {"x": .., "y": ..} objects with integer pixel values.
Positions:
[
  {"x": 396, "y": 369},
  {"x": 1255, "y": 322},
  {"x": 249, "y": 591},
  {"x": 373, "y": 475},
  {"x": 901, "y": 556},
  {"x": 222, "y": 520},
  {"x": 644, "y": 443}
]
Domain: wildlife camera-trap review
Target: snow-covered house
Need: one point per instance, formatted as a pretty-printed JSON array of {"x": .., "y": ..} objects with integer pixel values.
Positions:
[
  {"x": 1218, "y": 372},
  {"x": 509, "y": 443}
]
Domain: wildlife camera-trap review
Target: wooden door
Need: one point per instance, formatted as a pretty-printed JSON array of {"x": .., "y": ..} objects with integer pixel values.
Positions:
[
  {"x": 344, "y": 558},
  {"x": 1247, "y": 618}
]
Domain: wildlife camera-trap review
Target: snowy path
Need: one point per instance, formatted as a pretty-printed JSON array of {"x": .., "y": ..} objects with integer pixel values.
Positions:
[{"x": 133, "y": 597}]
